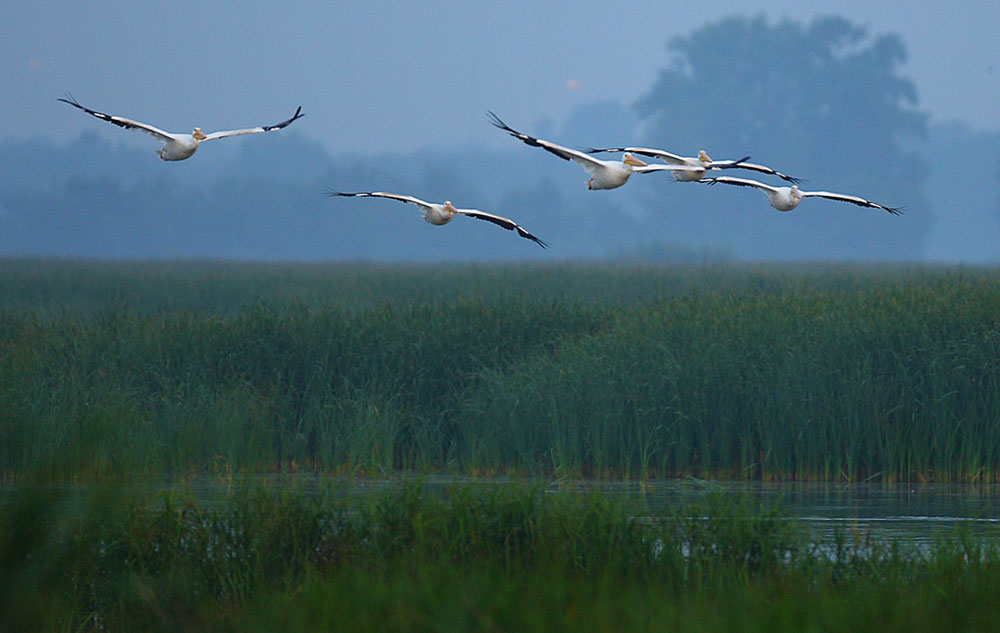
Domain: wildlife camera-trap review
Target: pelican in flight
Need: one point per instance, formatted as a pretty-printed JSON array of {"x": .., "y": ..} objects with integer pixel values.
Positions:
[
  {"x": 787, "y": 198},
  {"x": 438, "y": 214},
  {"x": 604, "y": 174},
  {"x": 178, "y": 146},
  {"x": 697, "y": 166}
]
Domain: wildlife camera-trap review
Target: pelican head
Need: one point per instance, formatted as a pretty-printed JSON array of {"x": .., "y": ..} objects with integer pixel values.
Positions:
[
  {"x": 795, "y": 192},
  {"x": 449, "y": 207},
  {"x": 704, "y": 157},
  {"x": 198, "y": 134},
  {"x": 629, "y": 159}
]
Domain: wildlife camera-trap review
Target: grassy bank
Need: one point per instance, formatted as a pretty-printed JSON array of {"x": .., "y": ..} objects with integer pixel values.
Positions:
[
  {"x": 469, "y": 559},
  {"x": 118, "y": 370}
]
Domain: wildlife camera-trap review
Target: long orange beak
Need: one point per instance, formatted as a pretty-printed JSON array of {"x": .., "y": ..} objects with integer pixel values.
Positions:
[
  {"x": 629, "y": 159},
  {"x": 198, "y": 134}
]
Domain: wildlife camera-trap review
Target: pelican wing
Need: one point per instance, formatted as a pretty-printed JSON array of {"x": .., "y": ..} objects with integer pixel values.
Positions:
[
  {"x": 673, "y": 159},
  {"x": 764, "y": 169},
  {"x": 861, "y": 202},
  {"x": 562, "y": 152},
  {"x": 381, "y": 194},
  {"x": 506, "y": 223},
  {"x": 128, "y": 124},
  {"x": 740, "y": 182},
  {"x": 256, "y": 130},
  {"x": 646, "y": 169}
]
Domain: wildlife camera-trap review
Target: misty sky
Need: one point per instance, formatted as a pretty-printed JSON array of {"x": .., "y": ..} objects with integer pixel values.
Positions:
[{"x": 378, "y": 76}]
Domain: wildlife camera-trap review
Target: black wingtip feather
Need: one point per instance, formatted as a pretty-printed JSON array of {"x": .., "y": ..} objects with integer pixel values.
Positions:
[
  {"x": 496, "y": 121},
  {"x": 70, "y": 99},
  {"x": 531, "y": 237}
]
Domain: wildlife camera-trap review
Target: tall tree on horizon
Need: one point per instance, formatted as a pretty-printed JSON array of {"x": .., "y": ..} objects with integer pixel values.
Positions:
[{"x": 823, "y": 101}]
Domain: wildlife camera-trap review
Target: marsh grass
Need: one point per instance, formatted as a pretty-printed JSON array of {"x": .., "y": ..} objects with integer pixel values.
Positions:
[
  {"x": 511, "y": 557},
  {"x": 895, "y": 381},
  {"x": 766, "y": 372}
]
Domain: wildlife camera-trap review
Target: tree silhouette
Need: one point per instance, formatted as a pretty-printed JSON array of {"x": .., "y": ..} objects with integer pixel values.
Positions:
[{"x": 822, "y": 101}]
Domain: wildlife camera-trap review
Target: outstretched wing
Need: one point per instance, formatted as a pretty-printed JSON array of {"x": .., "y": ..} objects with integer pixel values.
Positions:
[
  {"x": 764, "y": 169},
  {"x": 673, "y": 159},
  {"x": 506, "y": 223},
  {"x": 645, "y": 169},
  {"x": 740, "y": 182},
  {"x": 256, "y": 130},
  {"x": 381, "y": 194},
  {"x": 861, "y": 202},
  {"x": 562, "y": 152},
  {"x": 128, "y": 124}
]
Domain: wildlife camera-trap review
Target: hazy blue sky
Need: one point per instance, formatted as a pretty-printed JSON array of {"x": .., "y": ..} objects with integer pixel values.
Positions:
[{"x": 375, "y": 76}]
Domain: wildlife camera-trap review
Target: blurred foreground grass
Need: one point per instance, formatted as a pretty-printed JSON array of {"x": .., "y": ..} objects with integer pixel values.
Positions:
[{"x": 473, "y": 558}]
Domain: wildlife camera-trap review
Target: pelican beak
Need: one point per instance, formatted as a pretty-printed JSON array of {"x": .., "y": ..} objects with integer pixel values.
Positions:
[
  {"x": 629, "y": 159},
  {"x": 703, "y": 156},
  {"x": 198, "y": 134}
]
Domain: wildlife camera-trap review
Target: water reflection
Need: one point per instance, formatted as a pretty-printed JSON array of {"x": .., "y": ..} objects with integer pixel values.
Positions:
[{"x": 917, "y": 513}]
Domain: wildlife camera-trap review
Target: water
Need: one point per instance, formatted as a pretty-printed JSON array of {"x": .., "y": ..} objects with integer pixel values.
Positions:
[{"x": 916, "y": 513}]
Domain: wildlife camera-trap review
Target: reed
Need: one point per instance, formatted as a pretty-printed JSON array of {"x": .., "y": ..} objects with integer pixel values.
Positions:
[
  {"x": 767, "y": 372},
  {"x": 513, "y": 557}
]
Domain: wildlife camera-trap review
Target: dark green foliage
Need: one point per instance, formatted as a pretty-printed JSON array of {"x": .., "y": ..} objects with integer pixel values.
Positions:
[
  {"x": 468, "y": 558},
  {"x": 759, "y": 372}
]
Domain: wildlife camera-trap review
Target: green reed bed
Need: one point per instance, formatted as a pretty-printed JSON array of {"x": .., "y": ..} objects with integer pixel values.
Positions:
[
  {"x": 772, "y": 372},
  {"x": 895, "y": 381},
  {"x": 470, "y": 558},
  {"x": 119, "y": 392}
]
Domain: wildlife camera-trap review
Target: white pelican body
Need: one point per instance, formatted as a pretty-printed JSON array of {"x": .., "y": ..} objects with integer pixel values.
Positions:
[
  {"x": 604, "y": 174},
  {"x": 787, "y": 198},
  {"x": 178, "y": 146},
  {"x": 442, "y": 213},
  {"x": 697, "y": 167}
]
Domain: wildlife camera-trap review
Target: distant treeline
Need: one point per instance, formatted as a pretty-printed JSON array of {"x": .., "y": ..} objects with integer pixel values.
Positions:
[{"x": 831, "y": 107}]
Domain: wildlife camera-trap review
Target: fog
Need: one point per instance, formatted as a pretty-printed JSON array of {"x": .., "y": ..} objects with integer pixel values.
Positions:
[{"x": 848, "y": 102}]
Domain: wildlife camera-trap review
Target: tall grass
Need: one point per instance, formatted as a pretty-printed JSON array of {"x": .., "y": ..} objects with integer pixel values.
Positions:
[
  {"x": 767, "y": 372},
  {"x": 470, "y": 559},
  {"x": 895, "y": 381}
]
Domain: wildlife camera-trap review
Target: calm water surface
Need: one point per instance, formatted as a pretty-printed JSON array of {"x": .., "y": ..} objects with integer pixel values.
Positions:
[{"x": 919, "y": 513}]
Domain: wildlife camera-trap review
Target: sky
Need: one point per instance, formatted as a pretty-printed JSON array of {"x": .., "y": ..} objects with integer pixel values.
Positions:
[{"x": 377, "y": 76}]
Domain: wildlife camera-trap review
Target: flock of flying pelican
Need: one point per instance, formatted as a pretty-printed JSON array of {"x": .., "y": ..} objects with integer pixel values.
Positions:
[{"x": 604, "y": 174}]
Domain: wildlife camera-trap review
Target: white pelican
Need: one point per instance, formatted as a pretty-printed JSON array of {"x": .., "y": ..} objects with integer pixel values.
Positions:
[
  {"x": 698, "y": 165},
  {"x": 787, "y": 198},
  {"x": 438, "y": 214},
  {"x": 604, "y": 174},
  {"x": 178, "y": 146}
]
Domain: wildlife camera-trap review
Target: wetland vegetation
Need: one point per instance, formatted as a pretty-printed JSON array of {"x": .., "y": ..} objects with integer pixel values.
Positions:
[
  {"x": 741, "y": 372},
  {"x": 117, "y": 375},
  {"x": 474, "y": 558}
]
